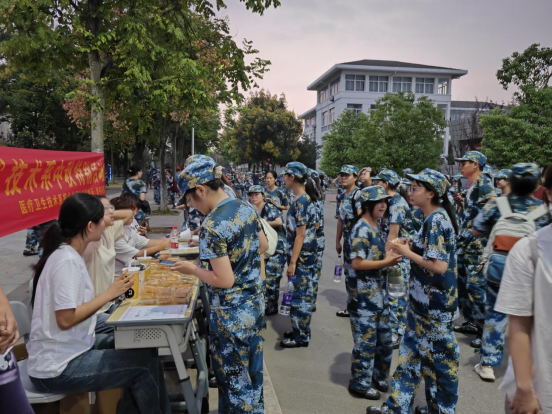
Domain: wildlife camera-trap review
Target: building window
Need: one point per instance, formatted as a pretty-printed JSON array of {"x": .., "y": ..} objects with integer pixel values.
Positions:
[
  {"x": 355, "y": 83},
  {"x": 332, "y": 115},
  {"x": 425, "y": 85},
  {"x": 402, "y": 84},
  {"x": 372, "y": 107},
  {"x": 357, "y": 108},
  {"x": 379, "y": 83},
  {"x": 334, "y": 87},
  {"x": 323, "y": 96},
  {"x": 312, "y": 122},
  {"x": 443, "y": 108},
  {"x": 442, "y": 89},
  {"x": 324, "y": 119}
]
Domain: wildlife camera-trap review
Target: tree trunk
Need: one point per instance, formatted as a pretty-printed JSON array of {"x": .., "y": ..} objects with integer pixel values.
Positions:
[
  {"x": 96, "y": 90},
  {"x": 112, "y": 164},
  {"x": 139, "y": 147},
  {"x": 125, "y": 165},
  {"x": 162, "y": 151}
]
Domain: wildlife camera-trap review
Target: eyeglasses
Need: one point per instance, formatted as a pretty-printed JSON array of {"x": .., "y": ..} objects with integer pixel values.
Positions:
[
  {"x": 414, "y": 189},
  {"x": 109, "y": 207}
]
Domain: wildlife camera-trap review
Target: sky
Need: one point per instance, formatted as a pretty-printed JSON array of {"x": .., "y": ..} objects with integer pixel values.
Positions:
[{"x": 305, "y": 38}]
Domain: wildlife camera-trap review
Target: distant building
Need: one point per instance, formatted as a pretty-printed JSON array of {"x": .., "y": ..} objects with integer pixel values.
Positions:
[{"x": 358, "y": 85}]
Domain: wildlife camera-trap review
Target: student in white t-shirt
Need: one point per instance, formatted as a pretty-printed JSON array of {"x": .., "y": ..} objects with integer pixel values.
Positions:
[
  {"x": 132, "y": 244},
  {"x": 100, "y": 257},
  {"x": 524, "y": 295},
  {"x": 65, "y": 355}
]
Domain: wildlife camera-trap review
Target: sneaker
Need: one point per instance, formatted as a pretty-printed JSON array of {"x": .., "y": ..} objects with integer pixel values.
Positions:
[
  {"x": 468, "y": 328},
  {"x": 288, "y": 334},
  {"x": 292, "y": 343},
  {"x": 421, "y": 409},
  {"x": 369, "y": 394},
  {"x": 397, "y": 342},
  {"x": 343, "y": 313},
  {"x": 374, "y": 410},
  {"x": 29, "y": 253},
  {"x": 476, "y": 343},
  {"x": 486, "y": 373},
  {"x": 380, "y": 385},
  {"x": 314, "y": 308}
]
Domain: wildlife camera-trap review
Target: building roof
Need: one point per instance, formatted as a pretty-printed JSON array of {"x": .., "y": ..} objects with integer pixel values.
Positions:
[
  {"x": 473, "y": 105},
  {"x": 390, "y": 66},
  {"x": 392, "y": 63},
  {"x": 311, "y": 111}
]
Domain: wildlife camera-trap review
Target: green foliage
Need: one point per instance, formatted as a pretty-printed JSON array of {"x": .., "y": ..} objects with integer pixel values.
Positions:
[
  {"x": 260, "y": 130},
  {"x": 401, "y": 132},
  {"x": 309, "y": 152},
  {"x": 522, "y": 134}
]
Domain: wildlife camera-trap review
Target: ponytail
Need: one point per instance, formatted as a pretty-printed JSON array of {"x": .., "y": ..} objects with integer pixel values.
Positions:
[
  {"x": 310, "y": 189},
  {"x": 445, "y": 203},
  {"x": 74, "y": 215},
  {"x": 134, "y": 170}
]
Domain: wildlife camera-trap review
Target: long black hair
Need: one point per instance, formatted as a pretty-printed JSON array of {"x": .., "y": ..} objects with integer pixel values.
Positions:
[
  {"x": 74, "y": 215},
  {"x": 310, "y": 189},
  {"x": 442, "y": 202},
  {"x": 547, "y": 183},
  {"x": 133, "y": 170}
]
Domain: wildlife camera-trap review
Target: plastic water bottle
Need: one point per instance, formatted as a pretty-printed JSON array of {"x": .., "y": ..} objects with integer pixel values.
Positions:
[
  {"x": 395, "y": 282},
  {"x": 174, "y": 238},
  {"x": 286, "y": 299},
  {"x": 338, "y": 270}
]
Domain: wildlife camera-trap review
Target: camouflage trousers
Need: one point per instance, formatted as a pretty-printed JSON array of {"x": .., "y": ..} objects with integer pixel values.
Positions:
[
  {"x": 398, "y": 306},
  {"x": 301, "y": 303},
  {"x": 471, "y": 288},
  {"x": 428, "y": 350},
  {"x": 157, "y": 195},
  {"x": 33, "y": 241},
  {"x": 373, "y": 349},
  {"x": 494, "y": 330},
  {"x": 237, "y": 355},
  {"x": 319, "y": 255},
  {"x": 274, "y": 269}
]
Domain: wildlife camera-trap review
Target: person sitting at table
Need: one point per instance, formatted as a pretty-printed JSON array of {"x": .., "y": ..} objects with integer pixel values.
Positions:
[
  {"x": 65, "y": 355},
  {"x": 100, "y": 257},
  {"x": 231, "y": 244},
  {"x": 133, "y": 245}
]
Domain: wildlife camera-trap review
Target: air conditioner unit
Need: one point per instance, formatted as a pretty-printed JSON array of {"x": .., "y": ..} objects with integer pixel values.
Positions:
[{"x": 332, "y": 98}]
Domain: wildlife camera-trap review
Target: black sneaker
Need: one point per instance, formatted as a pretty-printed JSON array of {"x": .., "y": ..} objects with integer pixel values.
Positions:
[
  {"x": 288, "y": 334},
  {"x": 468, "y": 328},
  {"x": 292, "y": 343},
  {"x": 380, "y": 385},
  {"x": 314, "y": 308},
  {"x": 29, "y": 253},
  {"x": 476, "y": 343},
  {"x": 374, "y": 410},
  {"x": 421, "y": 409},
  {"x": 343, "y": 313},
  {"x": 369, "y": 394}
]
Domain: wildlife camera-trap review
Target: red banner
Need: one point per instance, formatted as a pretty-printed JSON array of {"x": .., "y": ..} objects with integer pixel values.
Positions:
[{"x": 34, "y": 183}]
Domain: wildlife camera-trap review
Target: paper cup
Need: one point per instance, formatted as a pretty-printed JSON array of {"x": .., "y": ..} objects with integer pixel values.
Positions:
[{"x": 133, "y": 292}]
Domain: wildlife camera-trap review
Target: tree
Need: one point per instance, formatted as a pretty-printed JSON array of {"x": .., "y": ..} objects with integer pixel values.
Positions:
[
  {"x": 122, "y": 46},
  {"x": 401, "y": 132},
  {"x": 262, "y": 130},
  {"x": 309, "y": 152},
  {"x": 522, "y": 134}
]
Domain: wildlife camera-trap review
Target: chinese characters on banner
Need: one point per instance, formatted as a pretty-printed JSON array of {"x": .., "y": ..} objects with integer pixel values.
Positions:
[{"x": 34, "y": 183}]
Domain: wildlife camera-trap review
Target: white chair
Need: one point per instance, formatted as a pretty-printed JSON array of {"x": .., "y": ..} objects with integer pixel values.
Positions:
[{"x": 24, "y": 323}]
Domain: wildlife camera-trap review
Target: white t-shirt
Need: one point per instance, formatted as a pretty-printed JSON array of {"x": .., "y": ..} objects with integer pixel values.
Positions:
[
  {"x": 524, "y": 292},
  {"x": 100, "y": 259},
  {"x": 127, "y": 247},
  {"x": 64, "y": 284}
]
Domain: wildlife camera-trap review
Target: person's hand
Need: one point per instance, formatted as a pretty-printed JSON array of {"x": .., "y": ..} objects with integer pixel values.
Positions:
[
  {"x": 184, "y": 267},
  {"x": 457, "y": 196},
  {"x": 399, "y": 246},
  {"x": 338, "y": 247},
  {"x": 9, "y": 333},
  {"x": 123, "y": 283},
  {"x": 525, "y": 402},
  {"x": 142, "y": 230},
  {"x": 291, "y": 269},
  {"x": 193, "y": 243},
  {"x": 393, "y": 258}
]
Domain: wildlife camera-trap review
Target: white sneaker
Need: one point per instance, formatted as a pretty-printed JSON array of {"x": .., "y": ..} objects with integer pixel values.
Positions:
[
  {"x": 394, "y": 337},
  {"x": 486, "y": 373}
]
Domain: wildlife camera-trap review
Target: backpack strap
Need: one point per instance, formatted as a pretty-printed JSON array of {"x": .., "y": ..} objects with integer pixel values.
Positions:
[
  {"x": 538, "y": 212},
  {"x": 503, "y": 205},
  {"x": 534, "y": 250}
]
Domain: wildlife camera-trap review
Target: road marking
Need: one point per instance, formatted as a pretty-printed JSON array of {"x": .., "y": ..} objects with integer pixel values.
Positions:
[{"x": 271, "y": 404}]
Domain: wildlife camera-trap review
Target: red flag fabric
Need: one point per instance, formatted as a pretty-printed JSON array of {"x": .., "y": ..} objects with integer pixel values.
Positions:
[{"x": 34, "y": 183}]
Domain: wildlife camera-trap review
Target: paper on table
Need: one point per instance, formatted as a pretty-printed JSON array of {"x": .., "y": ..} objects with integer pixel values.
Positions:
[
  {"x": 151, "y": 313},
  {"x": 184, "y": 246}
]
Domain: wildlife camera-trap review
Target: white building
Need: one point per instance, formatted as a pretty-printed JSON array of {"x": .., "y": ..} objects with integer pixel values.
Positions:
[{"x": 358, "y": 85}]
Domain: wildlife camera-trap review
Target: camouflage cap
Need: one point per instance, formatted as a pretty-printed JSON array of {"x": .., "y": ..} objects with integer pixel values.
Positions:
[
  {"x": 197, "y": 158},
  {"x": 256, "y": 189},
  {"x": 474, "y": 156},
  {"x": 504, "y": 173},
  {"x": 200, "y": 172},
  {"x": 314, "y": 175},
  {"x": 525, "y": 169},
  {"x": 406, "y": 181},
  {"x": 296, "y": 169},
  {"x": 373, "y": 193},
  {"x": 408, "y": 171},
  {"x": 434, "y": 178},
  {"x": 457, "y": 177},
  {"x": 348, "y": 169},
  {"x": 389, "y": 176}
]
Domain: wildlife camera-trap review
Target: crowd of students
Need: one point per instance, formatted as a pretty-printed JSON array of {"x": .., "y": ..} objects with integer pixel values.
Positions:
[{"x": 422, "y": 228}]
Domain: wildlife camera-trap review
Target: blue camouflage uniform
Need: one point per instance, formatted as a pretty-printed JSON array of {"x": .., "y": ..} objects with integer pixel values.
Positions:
[
  {"x": 277, "y": 196},
  {"x": 418, "y": 219},
  {"x": 429, "y": 349},
  {"x": 321, "y": 240},
  {"x": 156, "y": 187},
  {"x": 471, "y": 282},
  {"x": 302, "y": 212},
  {"x": 494, "y": 330},
  {"x": 33, "y": 241},
  {"x": 397, "y": 213},
  {"x": 276, "y": 263},
  {"x": 339, "y": 198},
  {"x": 367, "y": 304},
  {"x": 195, "y": 219},
  {"x": 237, "y": 313},
  {"x": 136, "y": 187}
]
